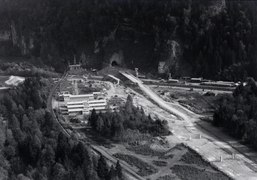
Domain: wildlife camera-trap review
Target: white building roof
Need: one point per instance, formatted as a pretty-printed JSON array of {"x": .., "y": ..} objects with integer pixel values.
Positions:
[
  {"x": 75, "y": 110},
  {"x": 81, "y": 95},
  {"x": 90, "y": 105},
  {"x": 83, "y": 110},
  {"x": 97, "y": 105},
  {"x": 97, "y": 101},
  {"x": 89, "y": 102},
  {"x": 15, "y": 80},
  {"x": 75, "y": 106},
  {"x": 75, "y": 102},
  {"x": 98, "y": 108}
]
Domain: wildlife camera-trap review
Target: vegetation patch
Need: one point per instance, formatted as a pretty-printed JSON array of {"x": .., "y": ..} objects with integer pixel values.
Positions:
[
  {"x": 197, "y": 102},
  {"x": 177, "y": 147},
  {"x": 144, "y": 168},
  {"x": 191, "y": 157},
  {"x": 237, "y": 113},
  {"x": 192, "y": 173},
  {"x": 134, "y": 136},
  {"x": 33, "y": 140},
  {"x": 114, "y": 125},
  {"x": 167, "y": 177},
  {"x": 3, "y": 79},
  {"x": 160, "y": 163},
  {"x": 26, "y": 69},
  {"x": 145, "y": 150}
]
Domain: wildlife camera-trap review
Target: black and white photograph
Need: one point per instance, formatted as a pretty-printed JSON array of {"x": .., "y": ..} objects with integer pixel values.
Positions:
[{"x": 128, "y": 89}]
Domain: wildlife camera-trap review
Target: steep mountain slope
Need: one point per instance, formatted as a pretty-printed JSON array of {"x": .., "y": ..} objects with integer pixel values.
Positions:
[{"x": 214, "y": 39}]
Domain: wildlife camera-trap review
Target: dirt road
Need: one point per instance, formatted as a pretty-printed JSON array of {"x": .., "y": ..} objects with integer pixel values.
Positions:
[{"x": 216, "y": 151}]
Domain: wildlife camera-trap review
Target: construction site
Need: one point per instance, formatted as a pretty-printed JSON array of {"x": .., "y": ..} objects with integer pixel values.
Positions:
[{"x": 184, "y": 154}]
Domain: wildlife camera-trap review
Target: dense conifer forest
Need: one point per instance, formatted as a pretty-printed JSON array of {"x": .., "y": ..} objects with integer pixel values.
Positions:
[
  {"x": 130, "y": 121},
  {"x": 238, "y": 113},
  {"x": 213, "y": 39},
  {"x": 33, "y": 146}
]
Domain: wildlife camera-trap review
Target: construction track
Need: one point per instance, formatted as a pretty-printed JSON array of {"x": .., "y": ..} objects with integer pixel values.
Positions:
[{"x": 243, "y": 168}]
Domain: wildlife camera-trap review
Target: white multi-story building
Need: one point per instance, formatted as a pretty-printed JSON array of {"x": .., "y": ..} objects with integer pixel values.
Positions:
[
  {"x": 66, "y": 96},
  {"x": 83, "y": 104},
  {"x": 85, "y": 107}
]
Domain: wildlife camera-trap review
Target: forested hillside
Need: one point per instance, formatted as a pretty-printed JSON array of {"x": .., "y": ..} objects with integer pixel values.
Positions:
[
  {"x": 238, "y": 113},
  {"x": 213, "y": 39},
  {"x": 33, "y": 146}
]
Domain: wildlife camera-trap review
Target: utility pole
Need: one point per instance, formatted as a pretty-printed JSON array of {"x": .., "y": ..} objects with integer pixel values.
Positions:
[{"x": 136, "y": 70}]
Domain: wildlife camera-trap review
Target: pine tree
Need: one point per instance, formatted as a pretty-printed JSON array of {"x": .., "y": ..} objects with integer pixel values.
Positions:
[
  {"x": 15, "y": 124},
  {"x": 92, "y": 119},
  {"x": 129, "y": 105},
  {"x": 25, "y": 122},
  {"x": 102, "y": 168},
  {"x": 111, "y": 174},
  {"x": 119, "y": 170},
  {"x": 99, "y": 124}
]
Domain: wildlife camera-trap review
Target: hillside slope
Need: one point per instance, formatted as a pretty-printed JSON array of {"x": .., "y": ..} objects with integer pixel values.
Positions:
[{"x": 214, "y": 39}]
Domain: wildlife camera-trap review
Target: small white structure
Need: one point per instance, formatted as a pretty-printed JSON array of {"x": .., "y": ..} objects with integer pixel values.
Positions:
[
  {"x": 75, "y": 66},
  {"x": 173, "y": 80},
  {"x": 15, "y": 80},
  {"x": 162, "y": 67},
  {"x": 73, "y": 79},
  {"x": 196, "y": 80},
  {"x": 136, "y": 70}
]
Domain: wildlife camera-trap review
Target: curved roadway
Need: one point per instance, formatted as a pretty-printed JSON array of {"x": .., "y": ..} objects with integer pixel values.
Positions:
[{"x": 243, "y": 168}]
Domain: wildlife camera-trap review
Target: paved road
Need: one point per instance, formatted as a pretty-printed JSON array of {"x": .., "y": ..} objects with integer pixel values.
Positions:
[
  {"x": 129, "y": 172},
  {"x": 154, "y": 96},
  {"x": 208, "y": 146}
]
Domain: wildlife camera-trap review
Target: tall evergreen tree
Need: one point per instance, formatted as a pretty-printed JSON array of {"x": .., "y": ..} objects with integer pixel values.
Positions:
[
  {"x": 112, "y": 173},
  {"x": 118, "y": 170},
  {"x": 129, "y": 104},
  {"x": 102, "y": 168},
  {"x": 93, "y": 118}
]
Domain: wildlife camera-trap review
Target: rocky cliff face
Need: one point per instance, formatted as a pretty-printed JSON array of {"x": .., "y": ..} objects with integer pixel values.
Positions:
[{"x": 189, "y": 36}]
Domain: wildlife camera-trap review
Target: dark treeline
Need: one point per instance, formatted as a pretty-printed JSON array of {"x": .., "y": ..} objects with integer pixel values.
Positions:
[
  {"x": 32, "y": 145},
  {"x": 216, "y": 39},
  {"x": 238, "y": 113},
  {"x": 26, "y": 69},
  {"x": 114, "y": 125}
]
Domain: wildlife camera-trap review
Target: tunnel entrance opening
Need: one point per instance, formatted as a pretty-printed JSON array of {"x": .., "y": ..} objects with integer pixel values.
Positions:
[{"x": 114, "y": 64}]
